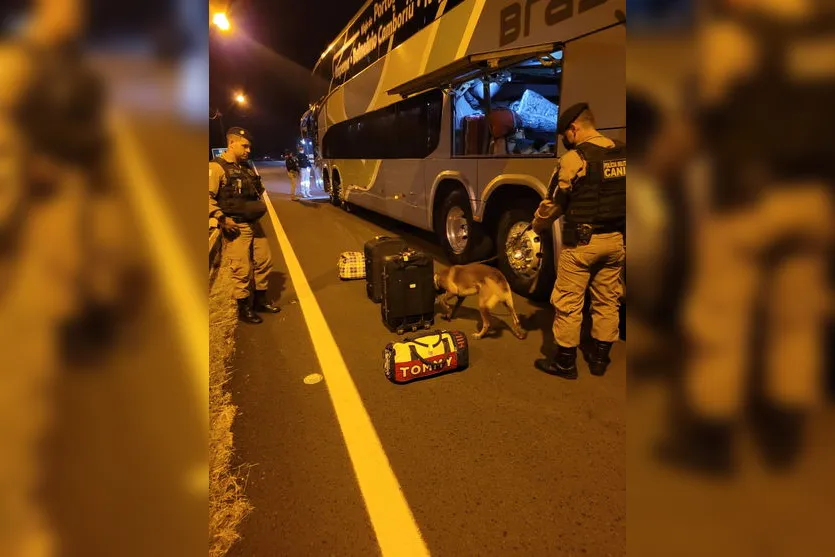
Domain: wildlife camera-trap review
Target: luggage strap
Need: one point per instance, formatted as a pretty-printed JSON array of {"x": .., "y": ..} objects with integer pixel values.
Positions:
[{"x": 433, "y": 366}]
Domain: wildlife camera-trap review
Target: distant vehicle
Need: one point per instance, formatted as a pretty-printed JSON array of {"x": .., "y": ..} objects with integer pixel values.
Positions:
[{"x": 445, "y": 118}]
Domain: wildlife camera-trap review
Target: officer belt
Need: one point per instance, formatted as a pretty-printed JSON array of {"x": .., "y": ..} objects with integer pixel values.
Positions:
[
  {"x": 241, "y": 220},
  {"x": 597, "y": 228}
]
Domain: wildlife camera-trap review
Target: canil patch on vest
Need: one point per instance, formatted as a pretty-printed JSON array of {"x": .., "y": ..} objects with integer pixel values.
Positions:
[{"x": 614, "y": 169}]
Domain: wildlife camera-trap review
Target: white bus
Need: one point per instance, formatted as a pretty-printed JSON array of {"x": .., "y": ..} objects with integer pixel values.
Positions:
[{"x": 442, "y": 114}]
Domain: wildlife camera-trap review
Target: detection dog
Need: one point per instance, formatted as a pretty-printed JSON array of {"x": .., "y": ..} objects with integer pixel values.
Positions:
[{"x": 460, "y": 281}]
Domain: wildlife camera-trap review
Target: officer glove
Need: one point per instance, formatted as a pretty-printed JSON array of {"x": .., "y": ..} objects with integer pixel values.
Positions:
[
  {"x": 544, "y": 216},
  {"x": 230, "y": 228}
]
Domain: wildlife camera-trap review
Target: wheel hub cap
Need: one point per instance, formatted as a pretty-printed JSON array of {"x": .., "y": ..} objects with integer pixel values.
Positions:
[
  {"x": 457, "y": 232},
  {"x": 524, "y": 250}
]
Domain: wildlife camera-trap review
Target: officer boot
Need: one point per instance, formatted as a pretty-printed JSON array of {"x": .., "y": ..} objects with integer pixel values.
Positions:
[
  {"x": 597, "y": 356},
  {"x": 262, "y": 305},
  {"x": 699, "y": 445},
  {"x": 563, "y": 364},
  {"x": 245, "y": 312}
]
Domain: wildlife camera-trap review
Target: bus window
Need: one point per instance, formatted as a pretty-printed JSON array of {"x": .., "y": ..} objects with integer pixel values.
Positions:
[
  {"x": 515, "y": 115},
  {"x": 409, "y": 129}
]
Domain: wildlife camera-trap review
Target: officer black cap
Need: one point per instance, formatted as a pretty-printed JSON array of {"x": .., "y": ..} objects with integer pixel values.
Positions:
[
  {"x": 240, "y": 132},
  {"x": 569, "y": 115}
]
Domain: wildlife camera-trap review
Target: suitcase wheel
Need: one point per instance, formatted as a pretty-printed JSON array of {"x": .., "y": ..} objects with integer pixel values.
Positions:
[
  {"x": 400, "y": 331},
  {"x": 414, "y": 328},
  {"x": 427, "y": 325}
]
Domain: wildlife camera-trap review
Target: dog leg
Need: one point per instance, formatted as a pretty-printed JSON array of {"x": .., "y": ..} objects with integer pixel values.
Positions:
[
  {"x": 517, "y": 326},
  {"x": 445, "y": 305},
  {"x": 458, "y": 302},
  {"x": 449, "y": 311},
  {"x": 485, "y": 326}
]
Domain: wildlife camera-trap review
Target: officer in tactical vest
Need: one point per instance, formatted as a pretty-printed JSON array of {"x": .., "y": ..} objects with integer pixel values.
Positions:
[
  {"x": 235, "y": 199},
  {"x": 591, "y": 193}
]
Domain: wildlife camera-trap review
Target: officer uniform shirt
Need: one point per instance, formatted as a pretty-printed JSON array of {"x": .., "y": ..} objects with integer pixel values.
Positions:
[{"x": 572, "y": 166}]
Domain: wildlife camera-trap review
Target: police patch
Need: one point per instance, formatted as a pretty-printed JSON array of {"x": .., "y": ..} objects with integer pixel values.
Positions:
[{"x": 612, "y": 170}]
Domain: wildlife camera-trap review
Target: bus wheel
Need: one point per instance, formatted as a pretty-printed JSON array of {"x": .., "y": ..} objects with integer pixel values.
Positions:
[
  {"x": 525, "y": 258},
  {"x": 463, "y": 239},
  {"x": 334, "y": 193}
]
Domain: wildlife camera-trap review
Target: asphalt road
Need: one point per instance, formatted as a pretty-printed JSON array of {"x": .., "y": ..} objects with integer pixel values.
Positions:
[{"x": 500, "y": 459}]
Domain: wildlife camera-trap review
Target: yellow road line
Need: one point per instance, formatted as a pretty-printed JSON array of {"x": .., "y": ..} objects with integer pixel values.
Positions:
[
  {"x": 397, "y": 532},
  {"x": 178, "y": 281}
]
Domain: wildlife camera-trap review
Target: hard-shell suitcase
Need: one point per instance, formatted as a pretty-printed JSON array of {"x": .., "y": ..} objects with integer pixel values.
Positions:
[
  {"x": 376, "y": 251},
  {"x": 408, "y": 292}
]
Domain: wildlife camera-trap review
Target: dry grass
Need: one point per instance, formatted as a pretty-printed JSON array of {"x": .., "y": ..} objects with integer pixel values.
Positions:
[{"x": 227, "y": 502}]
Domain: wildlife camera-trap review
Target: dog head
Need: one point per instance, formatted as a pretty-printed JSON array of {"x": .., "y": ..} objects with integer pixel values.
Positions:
[{"x": 440, "y": 282}]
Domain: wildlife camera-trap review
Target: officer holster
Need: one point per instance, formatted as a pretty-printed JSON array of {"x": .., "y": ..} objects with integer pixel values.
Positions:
[{"x": 574, "y": 235}]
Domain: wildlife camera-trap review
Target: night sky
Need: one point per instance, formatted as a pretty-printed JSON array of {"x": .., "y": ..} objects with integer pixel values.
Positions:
[{"x": 270, "y": 59}]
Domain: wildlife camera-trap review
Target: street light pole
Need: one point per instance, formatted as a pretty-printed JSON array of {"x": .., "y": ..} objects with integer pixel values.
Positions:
[{"x": 239, "y": 99}]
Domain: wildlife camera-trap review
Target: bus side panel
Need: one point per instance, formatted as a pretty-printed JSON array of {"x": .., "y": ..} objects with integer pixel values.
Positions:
[
  {"x": 403, "y": 183},
  {"x": 534, "y": 173},
  {"x": 509, "y": 24},
  {"x": 594, "y": 71}
]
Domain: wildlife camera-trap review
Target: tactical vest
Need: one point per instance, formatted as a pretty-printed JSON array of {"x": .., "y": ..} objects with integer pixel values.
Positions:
[
  {"x": 771, "y": 128},
  {"x": 599, "y": 197},
  {"x": 240, "y": 197}
]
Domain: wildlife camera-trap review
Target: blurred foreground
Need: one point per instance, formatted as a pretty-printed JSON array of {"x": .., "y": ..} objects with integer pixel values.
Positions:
[
  {"x": 731, "y": 223},
  {"x": 103, "y": 312}
]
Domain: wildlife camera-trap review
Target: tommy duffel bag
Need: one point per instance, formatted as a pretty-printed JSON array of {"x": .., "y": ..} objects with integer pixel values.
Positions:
[
  {"x": 426, "y": 355},
  {"x": 351, "y": 265}
]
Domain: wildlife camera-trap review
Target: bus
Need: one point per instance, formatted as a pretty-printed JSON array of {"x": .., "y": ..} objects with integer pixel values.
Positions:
[{"x": 442, "y": 114}]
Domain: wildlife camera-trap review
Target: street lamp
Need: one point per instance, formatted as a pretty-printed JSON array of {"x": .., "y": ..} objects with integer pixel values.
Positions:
[
  {"x": 239, "y": 99},
  {"x": 221, "y": 21}
]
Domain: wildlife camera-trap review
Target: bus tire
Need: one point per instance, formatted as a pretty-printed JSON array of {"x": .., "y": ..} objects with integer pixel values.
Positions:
[
  {"x": 463, "y": 239},
  {"x": 334, "y": 193},
  {"x": 523, "y": 276}
]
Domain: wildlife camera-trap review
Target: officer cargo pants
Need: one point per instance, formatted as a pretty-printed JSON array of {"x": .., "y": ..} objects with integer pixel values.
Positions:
[
  {"x": 294, "y": 181},
  {"x": 249, "y": 251},
  {"x": 776, "y": 248},
  {"x": 597, "y": 266}
]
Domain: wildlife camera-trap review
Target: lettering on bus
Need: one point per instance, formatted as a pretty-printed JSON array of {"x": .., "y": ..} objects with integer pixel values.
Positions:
[
  {"x": 613, "y": 170},
  {"x": 384, "y": 25},
  {"x": 515, "y": 19}
]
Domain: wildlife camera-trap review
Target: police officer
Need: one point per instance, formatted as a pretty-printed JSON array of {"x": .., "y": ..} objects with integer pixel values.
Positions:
[
  {"x": 591, "y": 193},
  {"x": 235, "y": 200},
  {"x": 304, "y": 166},
  {"x": 291, "y": 164}
]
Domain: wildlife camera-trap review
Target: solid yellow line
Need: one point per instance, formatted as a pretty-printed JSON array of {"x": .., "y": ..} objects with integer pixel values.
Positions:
[
  {"x": 186, "y": 297},
  {"x": 394, "y": 525}
]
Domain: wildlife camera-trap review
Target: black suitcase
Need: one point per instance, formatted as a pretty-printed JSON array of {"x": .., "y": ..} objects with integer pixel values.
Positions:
[
  {"x": 408, "y": 292},
  {"x": 376, "y": 251}
]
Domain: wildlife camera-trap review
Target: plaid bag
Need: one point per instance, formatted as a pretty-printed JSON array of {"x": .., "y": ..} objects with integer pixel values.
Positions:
[{"x": 351, "y": 265}]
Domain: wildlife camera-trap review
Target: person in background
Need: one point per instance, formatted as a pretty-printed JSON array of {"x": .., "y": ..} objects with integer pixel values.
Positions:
[
  {"x": 292, "y": 166},
  {"x": 304, "y": 166}
]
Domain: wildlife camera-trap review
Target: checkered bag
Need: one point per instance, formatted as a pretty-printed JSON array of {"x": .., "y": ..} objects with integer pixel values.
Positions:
[{"x": 351, "y": 265}]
